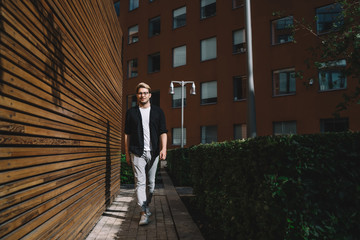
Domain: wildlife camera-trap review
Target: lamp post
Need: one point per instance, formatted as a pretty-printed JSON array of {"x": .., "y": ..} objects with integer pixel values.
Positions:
[
  {"x": 251, "y": 113},
  {"x": 192, "y": 92}
]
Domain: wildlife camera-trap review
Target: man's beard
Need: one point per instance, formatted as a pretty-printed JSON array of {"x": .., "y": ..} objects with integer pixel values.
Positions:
[{"x": 143, "y": 103}]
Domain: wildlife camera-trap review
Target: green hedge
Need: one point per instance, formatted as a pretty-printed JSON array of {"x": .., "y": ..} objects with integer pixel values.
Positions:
[
  {"x": 178, "y": 167},
  {"x": 126, "y": 172},
  {"x": 288, "y": 187}
]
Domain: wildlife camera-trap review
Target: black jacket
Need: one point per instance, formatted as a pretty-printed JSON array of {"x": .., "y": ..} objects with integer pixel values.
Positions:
[{"x": 134, "y": 128}]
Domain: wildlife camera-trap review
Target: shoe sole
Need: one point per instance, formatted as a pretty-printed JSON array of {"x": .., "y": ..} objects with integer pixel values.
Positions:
[{"x": 143, "y": 224}]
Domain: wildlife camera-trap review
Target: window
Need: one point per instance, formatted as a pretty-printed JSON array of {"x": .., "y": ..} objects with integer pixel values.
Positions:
[
  {"x": 154, "y": 26},
  {"x": 328, "y": 18},
  {"x": 179, "y": 56},
  {"x": 155, "y": 98},
  {"x": 176, "y": 136},
  {"x": 132, "y": 68},
  {"x": 239, "y": 41},
  {"x": 154, "y": 62},
  {"x": 237, "y": 3},
  {"x": 208, "y": 49},
  {"x": 331, "y": 76},
  {"x": 176, "y": 97},
  {"x": 208, "y": 134},
  {"x": 133, "y": 34},
  {"x": 131, "y": 101},
  {"x": 284, "y": 82},
  {"x": 239, "y": 131},
  {"x": 284, "y": 128},
  {"x": 334, "y": 125},
  {"x": 209, "y": 92},
  {"x": 239, "y": 87},
  {"x": 281, "y": 30},
  {"x": 117, "y": 8},
  {"x": 133, "y": 4},
  {"x": 208, "y": 8},
  {"x": 179, "y": 17}
]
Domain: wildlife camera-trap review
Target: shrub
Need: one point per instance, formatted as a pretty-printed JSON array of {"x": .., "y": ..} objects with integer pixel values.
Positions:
[
  {"x": 178, "y": 166},
  {"x": 126, "y": 172},
  {"x": 287, "y": 187}
]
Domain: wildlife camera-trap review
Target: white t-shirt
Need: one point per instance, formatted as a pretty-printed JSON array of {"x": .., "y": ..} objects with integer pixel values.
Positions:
[{"x": 145, "y": 116}]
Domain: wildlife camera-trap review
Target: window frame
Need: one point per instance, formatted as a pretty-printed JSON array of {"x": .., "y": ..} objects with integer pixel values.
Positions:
[
  {"x": 289, "y": 79},
  {"x": 243, "y": 133},
  {"x": 241, "y": 45},
  {"x": 133, "y": 6},
  {"x": 155, "y": 98},
  {"x": 117, "y": 7},
  {"x": 334, "y": 121},
  {"x": 283, "y": 128},
  {"x": 274, "y": 24},
  {"x": 174, "y": 56},
  {"x": 130, "y": 100},
  {"x": 151, "y": 22},
  {"x": 177, "y": 17},
  {"x": 203, "y": 41},
  {"x": 235, "y": 4},
  {"x": 211, "y": 100},
  {"x": 176, "y": 103},
  {"x": 336, "y": 18},
  {"x": 204, "y": 139},
  {"x": 204, "y": 8},
  {"x": 151, "y": 59},
  {"x": 129, "y": 71},
  {"x": 131, "y": 36},
  {"x": 332, "y": 67},
  {"x": 173, "y": 136},
  {"x": 243, "y": 80}
]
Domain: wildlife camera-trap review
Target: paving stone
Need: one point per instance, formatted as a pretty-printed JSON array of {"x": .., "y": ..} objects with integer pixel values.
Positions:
[{"x": 169, "y": 220}]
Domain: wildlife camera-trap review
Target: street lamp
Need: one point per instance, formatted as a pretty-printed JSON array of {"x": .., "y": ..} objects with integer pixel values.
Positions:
[
  {"x": 192, "y": 92},
  {"x": 251, "y": 113}
]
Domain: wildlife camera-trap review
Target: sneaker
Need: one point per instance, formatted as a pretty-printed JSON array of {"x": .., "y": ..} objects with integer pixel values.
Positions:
[
  {"x": 147, "y": 210},
  {"x": 144, "y": 220}
]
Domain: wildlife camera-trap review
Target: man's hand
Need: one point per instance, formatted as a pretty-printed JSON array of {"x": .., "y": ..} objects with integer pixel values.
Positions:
[
  {"x": 163, "y": 154},
  {"x": 127, "y": 154},
  {"x": 163, "y": 142},
  {"x": 128, "y": 159}
]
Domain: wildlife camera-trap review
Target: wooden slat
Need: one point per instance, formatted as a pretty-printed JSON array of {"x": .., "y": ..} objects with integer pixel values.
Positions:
[
  {"x": 38, "y": 63},
  {"x": 60, "y": 116},
  {"x": 13, "y": 163},
  {"x": 61, "y": 204},
  {"x": 19, "y": 197},
  {"x": 39, "y": 180},
  {"x": 37, "y": 205}
]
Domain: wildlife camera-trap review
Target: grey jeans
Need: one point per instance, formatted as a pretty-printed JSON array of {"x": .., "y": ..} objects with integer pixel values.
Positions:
[{"x": 145, "y": 181}]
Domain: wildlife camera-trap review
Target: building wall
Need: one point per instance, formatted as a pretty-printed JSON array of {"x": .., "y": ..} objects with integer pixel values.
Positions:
[
  {"x": 60, "y": 117},
  {"x": 306, "y": 107}
]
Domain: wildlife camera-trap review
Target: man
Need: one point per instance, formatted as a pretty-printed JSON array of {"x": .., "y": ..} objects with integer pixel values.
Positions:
[{"x": 145, "y": 142}]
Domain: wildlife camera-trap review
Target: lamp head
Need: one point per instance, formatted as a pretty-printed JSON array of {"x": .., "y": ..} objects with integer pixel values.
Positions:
[
  {"x": 171, "y": 89},
  {"x": 192, "y": 90}
]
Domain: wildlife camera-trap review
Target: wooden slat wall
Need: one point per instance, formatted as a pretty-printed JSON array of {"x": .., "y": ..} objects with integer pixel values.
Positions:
[{"x": 60, "y": 116}]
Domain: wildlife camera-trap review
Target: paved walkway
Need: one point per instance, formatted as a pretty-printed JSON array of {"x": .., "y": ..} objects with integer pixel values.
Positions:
[{"x": 170, "y": 218}]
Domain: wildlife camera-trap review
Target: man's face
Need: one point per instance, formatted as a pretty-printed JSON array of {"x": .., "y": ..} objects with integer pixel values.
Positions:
[{"x": 143, "y": 96}]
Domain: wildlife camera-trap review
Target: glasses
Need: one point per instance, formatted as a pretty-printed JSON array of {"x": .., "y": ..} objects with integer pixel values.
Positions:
[{"x": 143, "y": 93}]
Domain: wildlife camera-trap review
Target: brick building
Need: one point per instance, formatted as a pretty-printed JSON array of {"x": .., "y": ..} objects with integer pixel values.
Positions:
[{"x": 204, "y": 41}]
